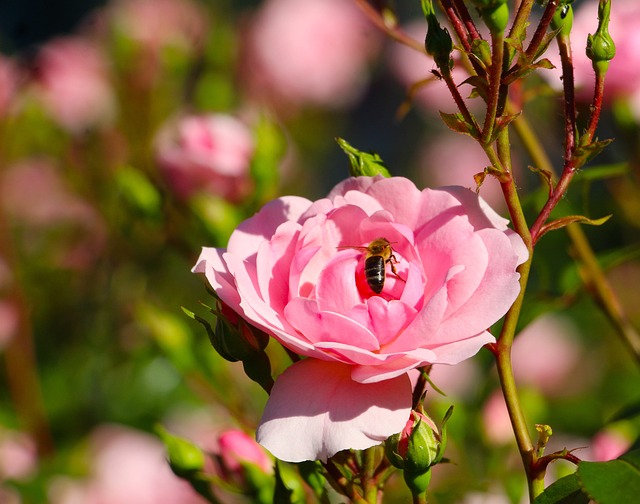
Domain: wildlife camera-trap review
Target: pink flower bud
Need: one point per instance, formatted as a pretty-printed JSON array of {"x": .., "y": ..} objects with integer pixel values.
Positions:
[
  {"x": 236, "y": 450},
  {"x": 209, "y": 153}
]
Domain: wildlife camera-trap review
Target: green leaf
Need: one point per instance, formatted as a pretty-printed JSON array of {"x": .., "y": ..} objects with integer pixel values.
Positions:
[
  {"x": 138, "y": 190},
  {"x": 459, "y": 124},
  {"x": 566, "y": 490},
  {"x": 363, "y": 163},
  {"x": 613, "y": 482}
]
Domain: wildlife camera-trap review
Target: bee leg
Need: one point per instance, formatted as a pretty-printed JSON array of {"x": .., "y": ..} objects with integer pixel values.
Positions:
[{"x": 392, "y": 262}]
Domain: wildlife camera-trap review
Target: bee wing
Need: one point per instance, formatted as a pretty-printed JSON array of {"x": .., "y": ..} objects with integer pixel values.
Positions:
[{"x": 361, "y": 249}]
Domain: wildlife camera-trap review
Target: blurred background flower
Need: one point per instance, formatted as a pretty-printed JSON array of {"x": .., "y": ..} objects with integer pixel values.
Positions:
[{"x": 132, "y": 132}]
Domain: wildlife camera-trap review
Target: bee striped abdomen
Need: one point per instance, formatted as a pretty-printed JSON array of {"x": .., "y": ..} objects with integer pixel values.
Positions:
[{"x": 374, "y": 272}]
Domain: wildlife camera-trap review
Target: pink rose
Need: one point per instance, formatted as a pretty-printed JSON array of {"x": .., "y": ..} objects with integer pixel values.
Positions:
[
  {"x": 310, "y": 52},
  {"x": 291, "y": 270},
  {"x": 208, "y": 153}
]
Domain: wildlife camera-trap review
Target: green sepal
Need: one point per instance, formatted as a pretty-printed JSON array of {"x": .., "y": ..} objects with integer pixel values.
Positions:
[
  {"x": 258, "y": 367},
  {"x": 216, "y": 337}
]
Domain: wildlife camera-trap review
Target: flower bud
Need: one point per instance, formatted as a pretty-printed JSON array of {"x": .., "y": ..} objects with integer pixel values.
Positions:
[
  {"x": 600, "y": 46},
  {"x": 243, "y": 463},
  {"x": 438, "y": 43},
  {"x": 563, "y": 19},
  {"x": 363, "y": 163},
  {"x": 495, "y": 14}
]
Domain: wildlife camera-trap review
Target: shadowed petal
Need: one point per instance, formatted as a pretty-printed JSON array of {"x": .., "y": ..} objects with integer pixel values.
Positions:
[{"x": 316, "y": 410}]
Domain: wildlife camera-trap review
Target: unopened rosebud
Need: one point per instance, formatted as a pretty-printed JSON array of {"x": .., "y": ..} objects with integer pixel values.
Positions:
[
  {"x": 495, "y": 14},
  {"x": 438, "y": 43},
  {"x": 243, "y": 463},
  {"x": 422, "y": 444},
  {"x": 415, "y": 450},
  {"x": 563, "y": 19},
  {"x": 600, "y": 46}
]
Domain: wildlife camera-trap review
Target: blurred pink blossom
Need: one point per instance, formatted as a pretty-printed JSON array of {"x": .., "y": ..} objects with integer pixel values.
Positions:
[
  {"x": 608, "y": 444},
  {"x": 547, "y": 353},
  {"x": 495, "y": 419},
  {"x": 312, "y": 52},
  {"x": 451, "y": 159},
  {"x": 35, "y": 196},
  {"x": 155, "y": 24},
  {"x": 411, "y": 67},
  {"x": 72, "y": 81},
  {"x": 457, "y": 381},
  {"x": 127, "y": 467},
  {"x": 209, "y": 153},
  {"x": 236, "y": 448},
  {"x": 8, "y": 84},
  {"x": 18, "y": 455}
]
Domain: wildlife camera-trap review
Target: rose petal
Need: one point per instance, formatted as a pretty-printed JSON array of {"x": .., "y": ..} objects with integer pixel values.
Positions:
[
  {"x": 457, "y": 351},
  {"x": 328, "y": 327},
  {"x": 316, "y": 409},
  {"x": 493, "y": 297},
  {"x": 248, "y": 236},
  {"x": 214, "y": 267}
]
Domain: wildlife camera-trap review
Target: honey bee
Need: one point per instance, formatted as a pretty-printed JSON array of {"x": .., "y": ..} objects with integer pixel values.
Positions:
[{"x": 377, "y": 254}]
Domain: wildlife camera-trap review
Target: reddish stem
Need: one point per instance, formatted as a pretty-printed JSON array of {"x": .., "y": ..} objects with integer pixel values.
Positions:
[
  {"x": 541, "y": 30},
  {"x": 457, "y": 24},
  {"x": 596, "y": 107},
  {"x": 466, "y": 18}
]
